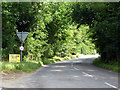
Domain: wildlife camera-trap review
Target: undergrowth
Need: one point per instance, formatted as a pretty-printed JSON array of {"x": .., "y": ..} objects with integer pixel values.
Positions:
[
  {"x": 29, "y": 65},
  {"x": 111, "y": 66}
]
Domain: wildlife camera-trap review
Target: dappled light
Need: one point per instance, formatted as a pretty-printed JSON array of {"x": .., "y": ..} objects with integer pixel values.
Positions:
[
  {"x": 76, "y": 76},
  {"x": 91, "y": 70},
  {"x": 59, "y": 66},
  {"x": 56, "y": 70}
]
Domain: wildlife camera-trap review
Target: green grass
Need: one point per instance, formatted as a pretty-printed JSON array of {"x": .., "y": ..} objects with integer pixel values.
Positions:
[
  {"x": 22, "y": 66},
  {"x": 30, "y": 65},
  {"x": 111, "y": 66},
  {"x": 27, "y": 66}
]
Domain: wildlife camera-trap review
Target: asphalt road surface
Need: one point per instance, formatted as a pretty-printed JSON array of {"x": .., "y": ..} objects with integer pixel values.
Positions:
[{"x": 74, "y": 73}]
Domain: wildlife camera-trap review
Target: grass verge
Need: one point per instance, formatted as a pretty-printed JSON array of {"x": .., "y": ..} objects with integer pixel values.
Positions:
[
  {"x": 29, "y": 65},
  {"x": 111, "y": 66},
  {"x": 22, "y": 66}
]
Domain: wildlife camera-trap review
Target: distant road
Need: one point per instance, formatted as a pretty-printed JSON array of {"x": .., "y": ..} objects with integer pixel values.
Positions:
[{"x": 74, "y": 73}]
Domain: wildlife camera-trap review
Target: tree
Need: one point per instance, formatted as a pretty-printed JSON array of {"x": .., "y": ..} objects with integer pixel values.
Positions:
[
  {"x": 16, "y": 16},
  {"x": 103, "y": 20},
  {"x": 50, "y": 27}
]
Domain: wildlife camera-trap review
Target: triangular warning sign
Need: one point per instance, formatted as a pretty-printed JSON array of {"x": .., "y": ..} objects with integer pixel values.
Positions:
[{"x": 22, "y": 35}]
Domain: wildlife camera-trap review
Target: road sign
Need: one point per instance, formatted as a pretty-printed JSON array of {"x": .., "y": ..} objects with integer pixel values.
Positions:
[
  {"x": 14, "y": 57},
  {"x": 21, "y": 48},
  {"x": 22, "y": 35}
]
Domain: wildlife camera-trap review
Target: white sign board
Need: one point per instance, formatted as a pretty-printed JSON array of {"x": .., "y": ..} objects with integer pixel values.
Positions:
[{"x": 22, "y": 35}]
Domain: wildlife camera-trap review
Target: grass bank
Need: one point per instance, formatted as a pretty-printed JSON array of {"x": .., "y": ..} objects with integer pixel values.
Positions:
[
  {"x": 30, "y": 65},
  {"x": 22, "y": 66},
  {"x": 111, "y": 66}
]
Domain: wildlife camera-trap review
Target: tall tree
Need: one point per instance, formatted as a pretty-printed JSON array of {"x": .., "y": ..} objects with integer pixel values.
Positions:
[{"x": 103, "y": 18}]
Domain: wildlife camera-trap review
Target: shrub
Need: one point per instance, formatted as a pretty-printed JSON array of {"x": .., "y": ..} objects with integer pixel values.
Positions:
[{"x": 113, "y": 65}]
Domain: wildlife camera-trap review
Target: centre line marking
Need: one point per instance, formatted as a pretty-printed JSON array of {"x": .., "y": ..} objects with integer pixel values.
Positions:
[
  {"x": 76, "y": 68},
  {"x": 86, "y": 74},
  {"x": 73, "y": 66},
  {"x": 110, "y": 85}
]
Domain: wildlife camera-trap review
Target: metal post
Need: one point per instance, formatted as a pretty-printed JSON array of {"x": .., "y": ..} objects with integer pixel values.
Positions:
[
  {"x": 21, "y": 52},
  {"x": 21, "y": 45}
]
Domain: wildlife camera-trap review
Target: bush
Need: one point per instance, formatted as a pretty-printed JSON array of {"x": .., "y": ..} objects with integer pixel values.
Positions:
[
  {"x": 111, "y": 66},
  {"x": 49, "y": 53},
  {"x": 48, "y": 61},
  {"x": 66, "y": 58},
  {"x": 57, "y": 58},
  {"x": 40, "y": 63},
  {"x": 78, "y": 55}
]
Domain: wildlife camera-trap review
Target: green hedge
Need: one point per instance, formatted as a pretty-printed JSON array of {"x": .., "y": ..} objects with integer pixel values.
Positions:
[{"x": 111, "y": 66}]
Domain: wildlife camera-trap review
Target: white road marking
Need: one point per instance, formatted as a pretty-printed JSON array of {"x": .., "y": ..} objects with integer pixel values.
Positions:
[
  {"x": 110, "y": 85},
  {"x": 76, "y": 76},
  {"x": 72, "y": 64},
  {"x": 86, "y": 74},
  {"x": 75, "y": 68}
]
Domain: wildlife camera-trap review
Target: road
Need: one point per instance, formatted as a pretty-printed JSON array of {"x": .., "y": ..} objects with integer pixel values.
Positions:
[{"x": 74, "y": 73}]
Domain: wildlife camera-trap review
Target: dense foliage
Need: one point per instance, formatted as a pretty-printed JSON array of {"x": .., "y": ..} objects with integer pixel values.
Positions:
[
  {"x": 62, "y": 29},
  {"x": 104, "y": 22},
  {"x": 51, "y": 30}
]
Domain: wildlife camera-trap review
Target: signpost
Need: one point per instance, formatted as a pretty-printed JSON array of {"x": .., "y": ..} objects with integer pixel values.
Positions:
[{"x": 22, "y": 36}]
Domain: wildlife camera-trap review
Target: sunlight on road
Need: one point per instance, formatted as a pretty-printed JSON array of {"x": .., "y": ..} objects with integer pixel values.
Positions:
[
  {"x": 56, "y": 70},
  {"x": 80, "y": 61},
  {"x": 59, "y": 66},
  {"x": 76, "y": 76},
  {"x": 91, "y": 70},
  {"x": 90, "y": 56}
]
